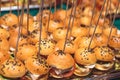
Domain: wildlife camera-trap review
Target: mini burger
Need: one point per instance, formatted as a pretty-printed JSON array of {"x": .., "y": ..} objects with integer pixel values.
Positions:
[
  {"x": 45, "y": 16},
  {"x": 62, "y": 65},
  {"x": 105, "y": 58},
  {"x": 12, "y": 69},
  {"x": 114, "y": 41},
  {"x": 8, "y": 20},
  {"x": 101, "y": 39},
  {"x": 25, "y": 51},
  {"x": 59, "y": 34},
  {"x": 107, "y": 29},
  {"x": 37, "y": 67},
  {"x": 54, "y": 24},
  {"x": 85, "y": 61},
  {"x": 79, "y": 31}
]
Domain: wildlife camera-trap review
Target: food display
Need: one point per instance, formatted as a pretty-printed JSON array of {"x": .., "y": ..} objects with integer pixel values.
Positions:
[{"x": 78, "y": 43}]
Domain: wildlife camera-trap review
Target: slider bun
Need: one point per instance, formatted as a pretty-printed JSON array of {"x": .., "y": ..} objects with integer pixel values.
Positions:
[
  {"x": 9, "y": 19},
  {"x": 12, "y": 68},
  {"x": 104, "y": 53},
  {"x": 60, "y": 60},
  {"x": 84, "y": 57}
]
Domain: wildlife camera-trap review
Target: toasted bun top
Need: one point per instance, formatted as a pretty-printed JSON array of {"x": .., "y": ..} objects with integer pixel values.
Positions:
[
  {"x": 59, "y": 34},
  {"x": 54, "y": 24},
  {"x": 37, "y": 65},
  {"x": 115, "y": 41},
  {"x": 46, "y": 46},
  {"x": 25, "y": 51},
  {"x": 85, "y": 41},
  {"x": 9, "y": 19},
  {"x": 60, "y": 14},
  {"x": 60, "y": 60},
  {"x": 70, "y": 46},
  {"x": 84, "y": 57},
  {"x": 79, "y": 31},
  {"x": 12, "y": 68},
  {"x": 107, "y": 29},
  {"x": 25, "y": 19},
  {"x": 101, "y": 39},
  {"x": 104, "y": 53}
]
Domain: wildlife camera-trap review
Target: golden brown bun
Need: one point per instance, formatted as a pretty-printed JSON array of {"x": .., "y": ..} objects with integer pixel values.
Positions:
[
  {"x": 67, "y": 20},
  {"x": 60, "y": 60},
  {"x": 47, "y": 46},
  {"x": 35, "y": 26},
  {"x": 98, "y": 30},
  {"x": 104, "y": 53},
  {"x": 59, "y": 34},
  {"x": 85, "y": 41},
  {"x": 106, "y": 31},
  {"x": 34, "y": 36},
  {"x": 3, "y": 56},
  {"x": 54, "y": 24},
  {"x": 60, "y": 14},
  {"x": 9, "y": 19},
  {"x": 81, "y": 71},
  {"x": 87, "y": 11},
  {"x": 4, "y": 33},
  {"x": 105, "y": 67},
  {"x": 101, "y": 39},
  {"x": 15, "y": 29},
  {"x": 25, "y": 19},
  {"x": 45, "y": 15},
  {"x": 25, "y": 51},
  {"x": 115, "y": 41},
  {"x": 37, "y": 65},
  {"x": 70, "y": 46},
  {"x": 84, "y": 57},
  {"x": 79, "y": 31},
  {"x": 13, "y": 40},
  {"x": 12, "y": 68},
  {"x": 85, "y": 20},
  {"x": 4, "y": 44}
]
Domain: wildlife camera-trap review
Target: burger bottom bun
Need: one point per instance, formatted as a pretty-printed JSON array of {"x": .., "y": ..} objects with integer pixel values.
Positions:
[
  {"x": 104, "y": 67},
  {"x": 82, "y": 71}
]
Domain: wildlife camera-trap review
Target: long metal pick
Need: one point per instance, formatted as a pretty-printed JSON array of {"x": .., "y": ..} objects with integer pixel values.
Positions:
[{"x": 96, "y": 24}]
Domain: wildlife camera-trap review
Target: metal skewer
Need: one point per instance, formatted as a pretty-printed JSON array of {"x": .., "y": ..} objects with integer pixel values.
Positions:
[
  {"x": 40, "y": 10},
  {"x": 49, "y": 16},
  {"x": 19, "y": 30},
  {"x": 10, "y": 6},
  {"x": 73, "y": 16},
  {"x": 61, "y": 6},
  {"x": 106, "y": 11},
  {"x": 18, "y": 12},
  {"x": 93, "y": 12},
  {"x": 113, "y": 23},
  {"x": 28, "y": 16},
  {"x": 68, "y": 30},
  {"x": 96, "y": 24},
  {"x": 0, "y": 8},
  {"x": 55, "y": 6},
  {"x": 66, "y": 12}
]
